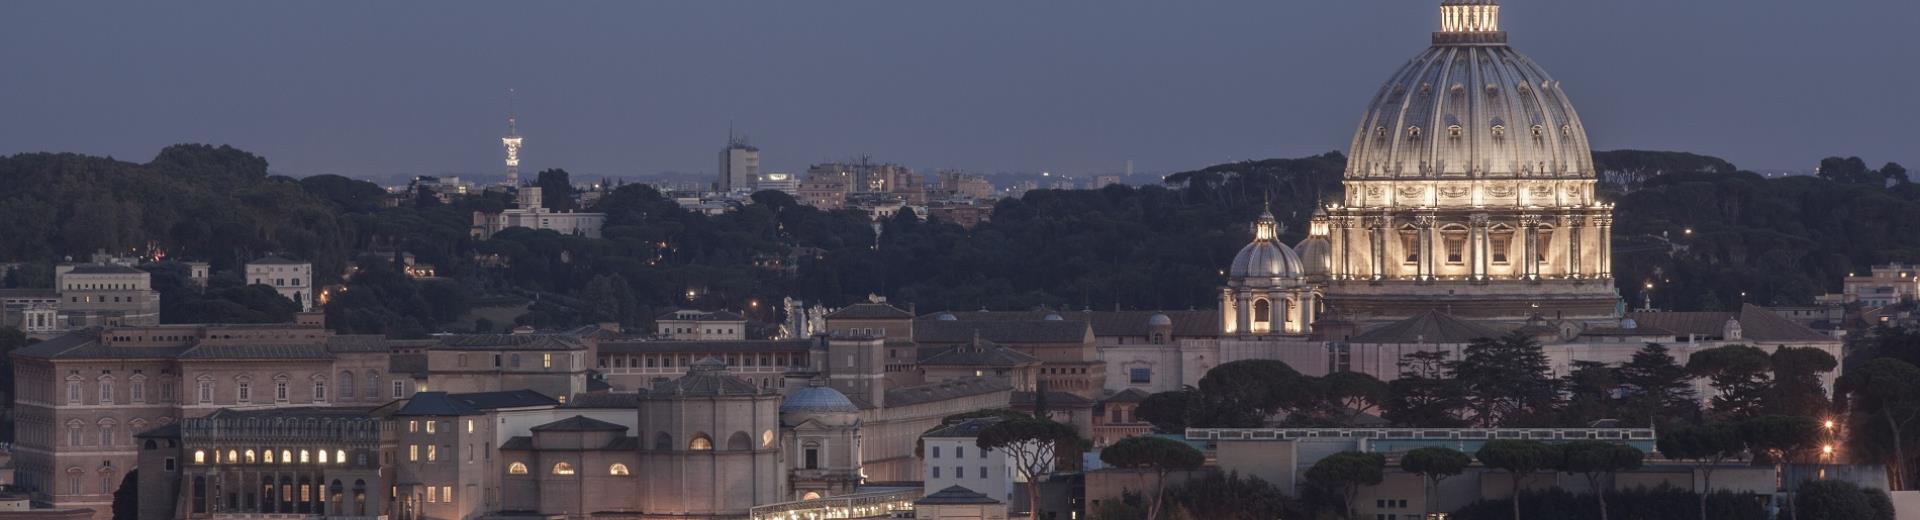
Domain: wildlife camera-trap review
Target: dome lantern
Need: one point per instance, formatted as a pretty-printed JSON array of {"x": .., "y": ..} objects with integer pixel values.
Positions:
[{"x": 1470, "y": 21}]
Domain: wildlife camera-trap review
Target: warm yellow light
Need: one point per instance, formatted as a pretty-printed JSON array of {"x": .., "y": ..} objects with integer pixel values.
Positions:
[
  {"x": 1826, "y": 450},
  {"x": 1829, "y": 423}
]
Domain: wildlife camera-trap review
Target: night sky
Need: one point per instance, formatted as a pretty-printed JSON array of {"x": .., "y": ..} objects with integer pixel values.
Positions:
[{"x": 1075, "y": 87}]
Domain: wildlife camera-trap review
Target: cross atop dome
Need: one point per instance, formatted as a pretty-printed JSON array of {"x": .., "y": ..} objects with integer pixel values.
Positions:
[{"x": 1470, "y": 21}]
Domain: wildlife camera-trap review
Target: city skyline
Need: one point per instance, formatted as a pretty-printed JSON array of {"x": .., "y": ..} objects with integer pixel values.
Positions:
[{"x": 1067, "y": 88}]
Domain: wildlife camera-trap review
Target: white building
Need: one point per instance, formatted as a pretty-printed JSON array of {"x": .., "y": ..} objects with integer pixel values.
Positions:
[
  {"x": 291, "y": 278},
  {"x": 953, "y": 459},
  {"x": 779, "y": 181},
  {"x": 532, "y": 215},
  {"x": 698, "y": 325}
]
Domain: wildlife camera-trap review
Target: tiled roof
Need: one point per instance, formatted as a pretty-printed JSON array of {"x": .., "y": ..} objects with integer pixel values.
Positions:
[
  {"x": 1193, "y": 323},
  {"x": 435, "y": 403},
  {"x": 869, "y": 311},
  {"x": 1617, "y": 331},
  {"x": 955, "y": 495},
  {"x": 361, "y": 343},
  {"x": 579, "y": 423},
  {"x": 1757, "y": 324},
  {"x": 1130, "y": 395},
  {"x": 520, "y": 443},
  {"x": 622, "y": 400},
  {"x": 964, "y": 429},
  {"x": 1044, "y": 331},
  {"x": 276, "y": 260},
  {"x": 85, "y": 344},
  {"x": 167, "y": 431},
  {"x": 505, "y": 399},
  {"x": 1055, "y": 398},
  {"x": 941, "y": 391},
  {"x": 707, "y": 377},
  {"x": 1428, "y": 327},
  {"x": 977, "y": 353},
  {"x": 249, "y": 352},
  {"x": 103, "y": 269},
  {"x": 698, "y": 315},
  {"x": 509, "y": 342},
  {"x": 29, "y": 293},
  {"x": 702, "y": 347}
]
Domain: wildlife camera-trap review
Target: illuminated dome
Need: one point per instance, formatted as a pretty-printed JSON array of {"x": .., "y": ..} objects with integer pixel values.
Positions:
[
  {"x": 1470, "y": 107},
  {"x": 1316, "y": 251},
  {"x": 1265, "y": 257},
  {"x": 1159, "y": 320}
]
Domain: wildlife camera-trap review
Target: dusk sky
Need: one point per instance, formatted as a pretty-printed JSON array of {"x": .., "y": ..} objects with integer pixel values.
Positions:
[{"x": 1076, "y": 87}]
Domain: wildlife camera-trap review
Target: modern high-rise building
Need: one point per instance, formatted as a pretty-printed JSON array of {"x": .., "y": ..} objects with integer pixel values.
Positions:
[{"x": 739, "y": 165}]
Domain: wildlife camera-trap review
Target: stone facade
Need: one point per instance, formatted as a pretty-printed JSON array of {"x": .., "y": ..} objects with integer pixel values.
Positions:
[{"x": 292, "y": 279}]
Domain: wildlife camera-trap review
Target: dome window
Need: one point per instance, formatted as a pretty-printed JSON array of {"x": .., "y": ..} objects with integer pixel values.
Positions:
[
  {"x": 1566, "y": 130},
  {"x": 1499, "y": 130},
  {"x": 1454, "y": 131},
  {"x": 1413, "y": 132},
  {"x": 1380, "y": 134},
  {"x": 1539, "y": 131}
]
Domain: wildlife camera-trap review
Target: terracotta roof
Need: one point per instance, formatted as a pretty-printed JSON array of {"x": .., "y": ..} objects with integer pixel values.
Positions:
[
  {"x": 508, "y": 342},
  {"x": 626, "y": 400},
  {"x": 1428, "y": 327},
  {"x": 698, "y": 315},
  {"x": 869, "y": 311},
  {"x": 579, "y": 423},
  {"x": 85, "y": 344},
  {"x": 976, "y": 353},
  {"x": 1756, "y": 324},
  {"x": 698, "y": 347},
  {"x": 707, "y": 377},
  {"x": 103, "y": 269},
  {"x": 963, "y": 387},
  {"x": 955, "y": 495},
  {"x": 277, "y": 260},
  {"x": 1191, "y": 323},
  {"x": 252, "y": 352},
  {"x": 435, "y": 404},
  {"x": 506, "y": 399},
  {"x": 365, "y": 343},
  {"x": 1041, "y": 331}
]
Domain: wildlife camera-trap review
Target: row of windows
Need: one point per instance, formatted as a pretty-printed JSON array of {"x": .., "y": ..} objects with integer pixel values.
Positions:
[
  {"x": 513, "y": 360},
  {"x": 960, "y": 472},
  {"x": 102, "y": 299},
  {"x": 445, "y": 495},
  {"x": 958, "y": 452},
  {"x": 433, "y": 426},
  {"x": 562, "y": 468},
  {"x": 681, "y": 360},
  {"x": 136, "y": 392},
  {"x": 287, "y": 456},
  {"x": 279, "y": 282},
  {"x": 244, "y": 392}
]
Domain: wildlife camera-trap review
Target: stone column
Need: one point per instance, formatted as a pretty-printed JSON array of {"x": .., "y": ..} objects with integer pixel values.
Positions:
[
  {"x": 1477, "y": 246},
  {"x": 1605, "y": 247},
  {"x": 1377, "y": 228},
  {"x": 1574, "y": 223},
  {"x": 1425, "y": 269},
  {"x": 1244, "y": 310},
  {"x": 1530, "y": 236},
  {"x": 1228, "y": 317}
]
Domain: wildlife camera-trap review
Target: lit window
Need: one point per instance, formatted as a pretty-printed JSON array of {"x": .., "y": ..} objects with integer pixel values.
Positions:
[
  {"x": 433, "y": 453},
  {"x": 268, "y": 454},
  {"x": 546, "y": 361},
  {"x": 286, "y": 456},
  {"x": 413, "y": 426},
  {"x": 446, "y": 493},
  {"x": 563, "y": 469},
  {"x": 469, "y": 425},
  {"x": 303, "y": 456},
  {"x": 516, "y": 469},
  {"x": 250, "y": 458},
  {"x": 323, "y": 456},
  {"x": 339, "y": 457},
  {"x": 199, "y": 457},
  {"x": 413, "y": 453},
  {"x": 617, "y": 469},
  {"x": 234, "y": 456},
  {"x": 700, "y": 443},
  {"x": 430, "y": 428}
]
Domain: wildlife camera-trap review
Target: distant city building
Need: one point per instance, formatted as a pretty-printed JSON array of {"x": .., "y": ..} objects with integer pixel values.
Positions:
[
  {"x": 105, "y": 291},
  {"x": 1102, "y": 181},
  {"x": 697, "y": 325},
  {"x": 1884, "y": 285},
  {"x": 532, "y": 214},
  {"x": 779, "y": 181},
  {"x": 961, "y": 186},
  {"x": 739, "y": 165},
  {"x": 293, "y": 279},
  {"x": 446, "y": 189},
  {"x": 967, "y": 215},
  {"x": 954, "y": 459},
  {"x": 826, "y": 187}
]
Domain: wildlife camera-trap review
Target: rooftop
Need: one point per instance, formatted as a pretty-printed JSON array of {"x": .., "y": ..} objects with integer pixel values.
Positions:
[{"x": 1428, "y": 327}]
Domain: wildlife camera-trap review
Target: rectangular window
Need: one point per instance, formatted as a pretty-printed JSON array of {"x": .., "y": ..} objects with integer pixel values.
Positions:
[
  {"x": 1497, "y": 244},
  {"x": 319, "y": 391},
  {"x": 430, "y": 427},
  {"x": 1456, "y": 249},
  {"x": 73, "y": 392},
  {"x": 206, "y": 392},
  {"x": 432, "y": 496},
  {"x": 280, "y": 391},
  {"x": 106, "y": 392},
  {"x": 245, "y": 393},
  {"x": 399, "y": 389},
  {"x": 469, "y": 425},
  {"x": 1410, "y": 243},
  {"x": 433, "y": 454},
  {"x": 546, "y": 361},
  {"x": 139, "y": 391},
  {"x": 413, "y": 453},
  {"x": 936, "y": 472},
  {"x": 446, "y": 493},
  {"x": 1140, "y": 376},
  {"x": 413, "y": 426}
]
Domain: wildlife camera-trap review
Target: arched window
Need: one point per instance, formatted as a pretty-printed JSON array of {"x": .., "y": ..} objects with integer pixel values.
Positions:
[
  {"x": 663, "y": 442},
  {"x": 618, "y": 469},
  {"x": 199, "y": 456},
  {"x": 562, "y": 468},
  {"x": 339, "y": 456},
  {"x": 346, "y": 384},
  {"x": 323, "y": 456},
  {"x": 811, "y": 495},
  {"x": 1262, "y": 310},
  {"x": 739, "y": 441},
  {"x": 700, "y": 442},
  {"x": 516, "y": 469},
  {"x": 286, "y": 456},
  {"x": 234, "y": 456},
  {"x": 766, "y": 438}
]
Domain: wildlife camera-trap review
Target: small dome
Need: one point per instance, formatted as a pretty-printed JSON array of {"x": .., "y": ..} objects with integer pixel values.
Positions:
[
  {"x": 945, "y": 316},
  {"x": 817, "y": 399},
  {"x": 1265, "y": 257},
  {"x": 1316, "y": 255},
  {"x": 1628, "y": 323},
  {"x": 1159, "y": 320},
  {"x": 1052, "y": 317}
]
